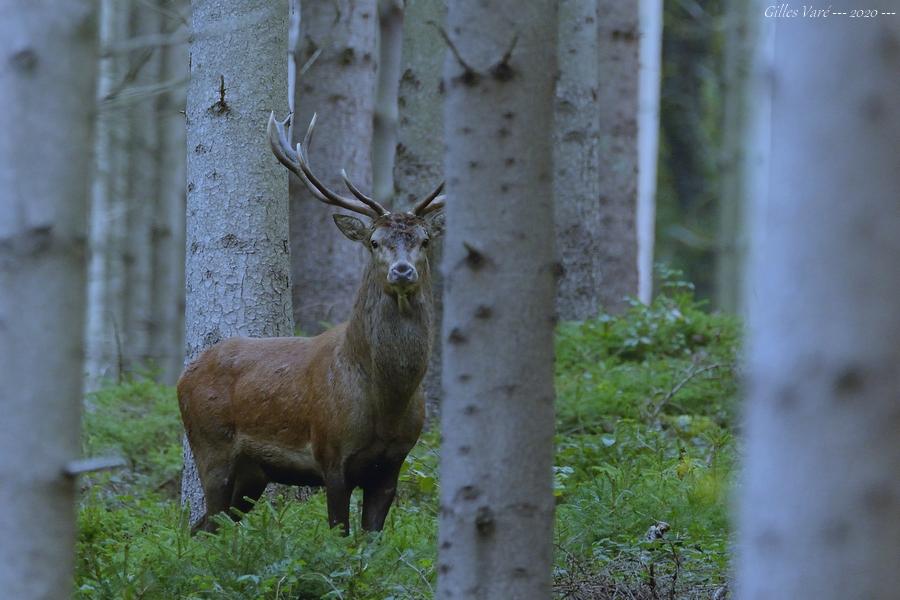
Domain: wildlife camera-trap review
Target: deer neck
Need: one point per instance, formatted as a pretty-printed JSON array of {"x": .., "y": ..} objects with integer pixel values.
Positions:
[{"x": 390, "y": 338}]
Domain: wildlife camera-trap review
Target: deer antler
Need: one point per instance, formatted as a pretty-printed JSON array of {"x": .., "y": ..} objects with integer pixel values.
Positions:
[
  {"x": 296, "y": 161},
  {"x": 430, "y": 203}
]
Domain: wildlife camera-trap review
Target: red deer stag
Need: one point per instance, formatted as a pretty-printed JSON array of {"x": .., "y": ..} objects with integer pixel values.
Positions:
[{"x": 342, "y": 409}]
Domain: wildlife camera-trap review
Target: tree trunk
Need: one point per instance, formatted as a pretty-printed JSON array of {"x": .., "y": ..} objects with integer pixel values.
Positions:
[
  {"x": 419, "y": 162},
  {"x": 105, "y": 305},
  {"x": 618, "y": 101},
  {"x": 384, "y": 132},
  {"x": 143, "y": 198},
  {"x": 238, "y": 260},
  {"x": 168, "y": 233},
  {"x": 576, "y": 162},
  {"x": 651, "y": 20},
  {"x": 496, "y": 518},
  {"x": 47, "y": 90},
  {"x": 820, "y": 505},
  {"x": 738, "y": 21},
  {"x": 338, "y": 52}
]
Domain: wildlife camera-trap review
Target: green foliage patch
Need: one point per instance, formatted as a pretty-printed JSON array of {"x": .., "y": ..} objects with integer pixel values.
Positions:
[{"x": 644, "y": 436}]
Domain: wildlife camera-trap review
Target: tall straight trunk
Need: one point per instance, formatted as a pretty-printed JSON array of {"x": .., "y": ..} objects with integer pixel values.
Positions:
[
  {"x": 105, "y": 306},
  {"x": 820, "y": 501},
  {"x": 618, "y": 102},
  {"x": 238, "y": 259},
  {"x": 167, "y": 348},
  {"x": 576, "y": 162},
  {"x": 384, "y": 132},
  {"x": 338, "y": 83},
  {"x": 419, "y": 161},
  {"x": 731, "y": 245},
  {"x": 47, "y": 90},
  {"x": 496, "y": 518},
  {"x": 651, "y": 22},
  {"x": 143, "y": 196}
]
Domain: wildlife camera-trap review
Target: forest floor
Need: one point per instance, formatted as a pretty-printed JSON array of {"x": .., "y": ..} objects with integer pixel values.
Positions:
[{"x": 645, "y": 458}]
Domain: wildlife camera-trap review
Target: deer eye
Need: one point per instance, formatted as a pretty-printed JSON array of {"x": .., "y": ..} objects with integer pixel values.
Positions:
[
  {"x": 374, "y": 244},
  {"x": 425, "y": 243}
]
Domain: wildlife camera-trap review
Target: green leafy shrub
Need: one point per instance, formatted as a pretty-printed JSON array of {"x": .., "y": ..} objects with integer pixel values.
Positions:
[{"x": 645, "y": 402}]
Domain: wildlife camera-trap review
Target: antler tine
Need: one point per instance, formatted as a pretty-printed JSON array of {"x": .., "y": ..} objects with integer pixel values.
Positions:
[
  {"x": 422, "y": 207},
  {"x": 296, "y": 162},
  {"x": 367, "y": 200}
]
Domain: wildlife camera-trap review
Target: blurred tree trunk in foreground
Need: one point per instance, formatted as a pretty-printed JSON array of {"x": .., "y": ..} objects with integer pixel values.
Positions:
[
  {"x": 496, "y": 517},
  {"x": 384, "y": 132},
  {"x": 47, "y": 90},
  {"x": 576, "y": 161},
  {"x": 238, "y": 260},
  {"x": 617, "y": 253},
  {"x": 337, "y": 81},
  {"x": 651, "y": 21},
  {"x": 820, "y": 505},
  {"x": 419, "y": 162}
]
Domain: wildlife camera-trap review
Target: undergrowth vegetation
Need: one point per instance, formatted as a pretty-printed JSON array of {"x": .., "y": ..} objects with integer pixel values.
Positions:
[{"x": 645, "y": 456}]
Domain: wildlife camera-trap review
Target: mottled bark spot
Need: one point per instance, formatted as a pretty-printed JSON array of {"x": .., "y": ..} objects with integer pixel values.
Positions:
[
  {"x": 519, "y": 572},
  {"x": 483, "y": 312},
  {"x": 200, "y": 149},
  {"x": 484, "y": 521},
  {"x": 456, "y": 336},
  {"x": 443, "y": 568},
  {"x": 510, "y": 161},
  {"x": 464, "y": 378},
  {"x": 767, "y": 540},
  {"x": 347, "y": 56},
  {"x": 624, "y": 35},
  {"x": 24, "y": 60},
  {"x": 468, "y": 493},
  {"x": 464, "y": 450},
  {"x": 212, "y": 338},
  {"x": 470, "y": 410},
  {"x": 474, "y": 258},
  {"x": 849, "y": 381}
]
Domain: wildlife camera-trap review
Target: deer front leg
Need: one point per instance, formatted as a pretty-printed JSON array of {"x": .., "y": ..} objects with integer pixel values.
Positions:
[
  {"x": 337, "y": 494},
  {"x": 378, "y": 495}
]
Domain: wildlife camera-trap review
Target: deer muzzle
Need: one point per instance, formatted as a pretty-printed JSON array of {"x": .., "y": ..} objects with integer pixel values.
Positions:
[{"x": 402, "y": 273}]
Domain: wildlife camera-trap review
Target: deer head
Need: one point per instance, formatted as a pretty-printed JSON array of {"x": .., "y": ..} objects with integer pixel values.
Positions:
[{"x": 397, "y": 242}]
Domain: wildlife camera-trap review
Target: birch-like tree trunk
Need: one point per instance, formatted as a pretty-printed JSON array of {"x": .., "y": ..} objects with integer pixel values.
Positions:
[
  {"x": 496, "y": 518},
  {"x": 238, "y": 258},
  {"x": 143, "y": 197},
  {"x": 384, "y": 132},
  {"x": 739, "y": 21},
  {"x": 47, "y": 90},
  {"x": 419, "y": 161},
  {"x": 618, "y": 101},
  {"x": 651, "y": 21},
  {"x": 337, "y": 81},
  {"x": 168, "y": 234},
  {"x": 576, "y": 162},
  {"x": 820, "y": 500},
  {"x": 106, "y": 270}
]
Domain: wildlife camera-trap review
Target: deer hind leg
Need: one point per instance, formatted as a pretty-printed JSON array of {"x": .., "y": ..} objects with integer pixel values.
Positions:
[{"x": 379, "y": 491}]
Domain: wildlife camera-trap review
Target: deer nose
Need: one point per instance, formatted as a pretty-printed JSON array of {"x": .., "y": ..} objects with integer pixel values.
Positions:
[{"x": 402, "y": 272}]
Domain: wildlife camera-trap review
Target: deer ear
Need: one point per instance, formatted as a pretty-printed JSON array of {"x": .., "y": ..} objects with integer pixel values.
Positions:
[
  {"x": 436, "y": 224},
  {"x": 354, "y": 229}
]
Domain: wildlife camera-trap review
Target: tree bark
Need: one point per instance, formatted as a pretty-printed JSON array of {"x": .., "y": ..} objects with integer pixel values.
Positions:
[
  {"x": 820, "y": 500},
  {"x": 419, "y": 162},
  {"x": 143, "y": 198},
  {"x": 339, "y": 85},
  {"x": 384, "y": 132},
  {"x": 651, "y": 20},
  {"x": 106, "y": 269},
  {"x": 238, "y": 259},
  {"x": 168, "y": 234},
  {"x": 47, "y": 90},
  {"x": 618, "y": 101},
  {"x": 496, "y": 518},
  {"x": 739, "y": 22},
  {"x": 576, "y": 161}
]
